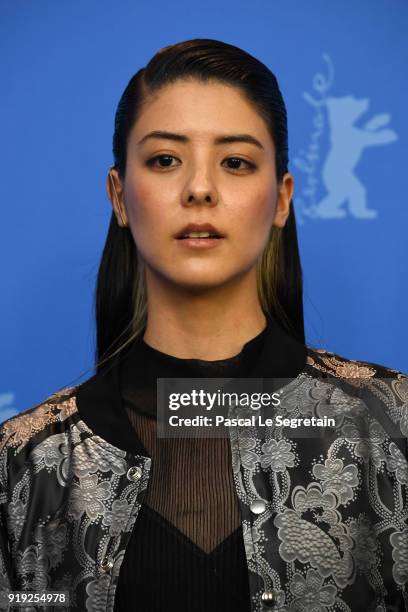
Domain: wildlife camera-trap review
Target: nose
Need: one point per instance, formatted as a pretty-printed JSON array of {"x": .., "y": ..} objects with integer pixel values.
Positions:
[{"x": 200, "y": 189}]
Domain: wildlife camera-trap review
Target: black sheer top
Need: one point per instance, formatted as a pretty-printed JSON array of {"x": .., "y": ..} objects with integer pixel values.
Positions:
[{"x": 186, "y": 551}]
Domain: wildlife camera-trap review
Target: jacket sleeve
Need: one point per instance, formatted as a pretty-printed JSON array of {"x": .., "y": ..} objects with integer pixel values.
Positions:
[{"x": 5, "y": 554}]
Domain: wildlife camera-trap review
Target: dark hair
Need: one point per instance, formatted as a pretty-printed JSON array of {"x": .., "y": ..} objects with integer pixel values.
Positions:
[{"x": 120, "y": 302}]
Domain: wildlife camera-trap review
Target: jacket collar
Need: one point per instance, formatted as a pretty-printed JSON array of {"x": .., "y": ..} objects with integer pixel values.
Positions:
[{"x": 99, "y": 400}]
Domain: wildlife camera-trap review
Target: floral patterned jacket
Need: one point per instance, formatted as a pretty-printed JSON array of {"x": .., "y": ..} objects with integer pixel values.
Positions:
[{"x": 324, "y": 514}]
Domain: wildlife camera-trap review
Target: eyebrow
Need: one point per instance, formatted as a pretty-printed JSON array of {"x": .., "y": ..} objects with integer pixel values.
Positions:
[{"x": 228, "y": 138}]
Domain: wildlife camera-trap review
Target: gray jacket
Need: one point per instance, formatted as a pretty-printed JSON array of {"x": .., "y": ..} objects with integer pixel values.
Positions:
[{"x": 324, "y": 512}]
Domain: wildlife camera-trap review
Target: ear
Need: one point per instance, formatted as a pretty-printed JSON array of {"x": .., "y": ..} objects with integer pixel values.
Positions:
[
  {"x": 114, "y": 190},
  {"x": 284, "y": 199}
]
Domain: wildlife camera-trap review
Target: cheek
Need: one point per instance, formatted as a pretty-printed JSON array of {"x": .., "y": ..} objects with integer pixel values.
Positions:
[
  {"x": 143, "y": 207},
  {"x": 256, "y": 210}
]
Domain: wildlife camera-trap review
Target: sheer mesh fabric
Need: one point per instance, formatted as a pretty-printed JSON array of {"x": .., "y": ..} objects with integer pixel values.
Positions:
[{"x": 191, "y": 483}]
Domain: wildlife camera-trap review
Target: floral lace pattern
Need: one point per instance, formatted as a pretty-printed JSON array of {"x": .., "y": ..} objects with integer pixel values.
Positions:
[
  {"x": 18, "y": 430},
  {"x": 328, "y": 529},
  {"x": 336, "y": 504}
]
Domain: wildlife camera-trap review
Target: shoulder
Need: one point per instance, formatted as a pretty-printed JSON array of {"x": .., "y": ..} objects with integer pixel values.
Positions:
[
  {"x": 383, "y": 390},
  {"x": 18, "y": 430},
  {"x": 339, "y": 366}
]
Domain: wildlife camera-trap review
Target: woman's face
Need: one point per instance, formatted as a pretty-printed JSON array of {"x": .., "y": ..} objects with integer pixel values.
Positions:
[{"x": 201, "y": 154}]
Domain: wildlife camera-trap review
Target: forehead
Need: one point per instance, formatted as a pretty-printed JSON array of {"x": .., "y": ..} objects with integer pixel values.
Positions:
[{"x": 201, "y": 108}]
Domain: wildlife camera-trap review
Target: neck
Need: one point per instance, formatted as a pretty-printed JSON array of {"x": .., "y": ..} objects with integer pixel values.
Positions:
[{"x": 208, "y": 324}]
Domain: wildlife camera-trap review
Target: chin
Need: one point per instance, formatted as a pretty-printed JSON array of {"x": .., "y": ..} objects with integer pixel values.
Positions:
[
  {"x": 198, "y": 284},
  {"x": 197, "y": 280},
  {"x": 199, "y": 277}
]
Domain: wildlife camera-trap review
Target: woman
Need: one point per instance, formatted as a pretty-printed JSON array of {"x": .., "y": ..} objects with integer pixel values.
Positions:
[{"x": 200, "y": 278}]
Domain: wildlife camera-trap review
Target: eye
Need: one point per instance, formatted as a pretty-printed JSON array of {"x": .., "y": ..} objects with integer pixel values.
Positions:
[
  {"x": 165, "y": 161},
  {"x": 235, "y": 163}
]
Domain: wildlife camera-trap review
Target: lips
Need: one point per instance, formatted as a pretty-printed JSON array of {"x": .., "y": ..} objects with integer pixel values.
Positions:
[{"x": 198, "y": 231}]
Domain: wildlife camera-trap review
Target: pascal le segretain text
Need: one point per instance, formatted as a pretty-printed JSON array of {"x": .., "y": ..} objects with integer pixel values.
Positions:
[{"x": 255, "y": 420}]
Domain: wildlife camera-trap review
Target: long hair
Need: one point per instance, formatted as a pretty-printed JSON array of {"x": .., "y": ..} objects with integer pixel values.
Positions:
[{"x": 120, "y": 297}]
